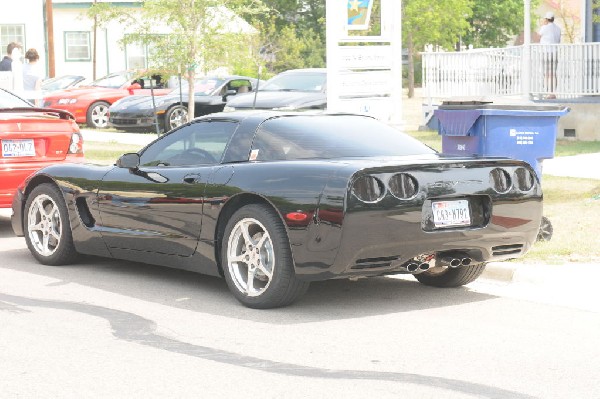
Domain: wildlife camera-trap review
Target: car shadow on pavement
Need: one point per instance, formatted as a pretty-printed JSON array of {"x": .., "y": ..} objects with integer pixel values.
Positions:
[{"x": 325, "y": 300}]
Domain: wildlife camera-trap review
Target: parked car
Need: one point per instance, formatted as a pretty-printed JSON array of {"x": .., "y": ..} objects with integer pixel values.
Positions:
[
  {"x": 89, "y": 104},
  {"x": 211, "y": 94},
  {"x": 61, "y": 83},
  {"x": 272, "y": 201},
  {"x": 293, "y": 90},
  {"x": 32, "y": 138}
]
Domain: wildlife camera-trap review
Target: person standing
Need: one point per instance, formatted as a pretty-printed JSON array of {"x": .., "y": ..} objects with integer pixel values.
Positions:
[
  {"x": 550, "y": 35},
  {"x": 6, "y": 63},
  {"x": 32, "y": 76}
]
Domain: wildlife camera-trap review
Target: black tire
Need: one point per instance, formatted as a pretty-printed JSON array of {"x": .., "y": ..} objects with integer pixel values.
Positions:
[
  {"x": 47, "y": 229},
  {"x": 175, "y": 117},
  {"x": 446, "y": 277},
  {"x": 265, "y": 254},
  {"x": 546, "y": 230},
  {"x": 97, "y": 115}
]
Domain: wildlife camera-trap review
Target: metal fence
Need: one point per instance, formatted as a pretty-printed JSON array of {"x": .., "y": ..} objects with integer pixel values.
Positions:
[{"x": 561, "y": 70}]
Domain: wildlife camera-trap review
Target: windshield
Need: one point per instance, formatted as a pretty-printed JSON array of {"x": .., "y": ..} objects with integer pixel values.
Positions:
[
  {"x": 296, "y": 81},
  {"x": 113, "y": 81},
  {"x": 203, "y": 87},
  {"x": 330, "y": 137},
  {"x": 60, "y": 82},
  {"x": 9, "y": 100}
]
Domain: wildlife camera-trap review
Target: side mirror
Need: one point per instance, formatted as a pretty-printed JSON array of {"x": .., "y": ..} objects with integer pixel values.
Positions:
[
  {"x": 129, "y": 161},
  {"x": 230, "y": 93}
]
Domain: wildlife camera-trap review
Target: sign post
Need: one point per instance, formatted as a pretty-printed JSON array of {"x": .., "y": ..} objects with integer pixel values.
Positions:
[{"x": 364, "y": 58}]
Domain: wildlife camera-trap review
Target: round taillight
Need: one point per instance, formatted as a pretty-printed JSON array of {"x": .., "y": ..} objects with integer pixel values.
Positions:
[
  {"x": 368, "y": 189},
  {"x": 500, "y": 180},
  {"x": 403, "y": 186},
  {"x": 524, "y": 179}
]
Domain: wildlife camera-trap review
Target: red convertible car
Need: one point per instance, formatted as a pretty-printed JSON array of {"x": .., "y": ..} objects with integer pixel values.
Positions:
[
  {"x": 32, "y": 138},
  {"x": 89, "y": 104}
]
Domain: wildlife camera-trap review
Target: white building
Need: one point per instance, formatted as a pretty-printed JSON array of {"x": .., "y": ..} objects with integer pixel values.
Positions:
[{"x": 25, "y": 21}]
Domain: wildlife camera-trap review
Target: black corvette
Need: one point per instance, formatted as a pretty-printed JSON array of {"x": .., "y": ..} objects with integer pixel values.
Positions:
[
  {"x": 272, "y": 201},
  {"x": 210, "y": 95}
]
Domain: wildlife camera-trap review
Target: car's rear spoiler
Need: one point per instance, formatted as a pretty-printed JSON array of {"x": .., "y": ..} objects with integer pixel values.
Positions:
[{"x": 62, "y": 114}]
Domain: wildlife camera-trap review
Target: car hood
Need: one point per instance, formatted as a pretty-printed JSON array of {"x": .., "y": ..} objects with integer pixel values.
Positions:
[
  {"x": 278, "y": 99},
  {"x": 88, "y": 91}
]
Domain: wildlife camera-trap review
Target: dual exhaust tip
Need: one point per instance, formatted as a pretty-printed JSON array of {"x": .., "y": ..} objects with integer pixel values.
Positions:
[
  {"x": 455, "y": 261},
  {"x": 448, "y": 260}
]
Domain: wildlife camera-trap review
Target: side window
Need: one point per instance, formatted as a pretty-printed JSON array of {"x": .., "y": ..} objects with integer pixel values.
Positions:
[
  {"x": 240, "y": 85},
  {"x": 201, "y": 143}
]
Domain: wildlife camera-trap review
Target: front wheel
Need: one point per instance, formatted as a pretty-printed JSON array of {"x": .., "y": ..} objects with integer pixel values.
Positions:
[
  {"x": 443, "y": 276},
  {"x": 47, "y": 229},
  {"x": 97, "y": 115},
  {"x": 257, "y": 260},
  {"x": 176, "y": 117}
]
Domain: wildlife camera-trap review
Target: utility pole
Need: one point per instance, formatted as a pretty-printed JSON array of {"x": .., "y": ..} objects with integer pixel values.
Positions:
[{"x": 50, "y": 37}]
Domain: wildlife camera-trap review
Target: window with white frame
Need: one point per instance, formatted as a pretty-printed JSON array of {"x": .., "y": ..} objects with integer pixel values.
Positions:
[
  {"x": 136, "y": 56},
  {"x": 11, "y": 33},
  {"x": 77, "y": 46}
]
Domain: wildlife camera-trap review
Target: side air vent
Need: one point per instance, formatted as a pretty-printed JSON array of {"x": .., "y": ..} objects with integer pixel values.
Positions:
[
  {"x": 514, "y": 249},
  {"x": 374, "y": 263},
  {"x": 84, "y": 212}
]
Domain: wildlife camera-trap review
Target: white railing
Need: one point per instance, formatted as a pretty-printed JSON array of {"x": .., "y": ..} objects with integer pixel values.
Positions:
[{"x": 562, "y": 70}]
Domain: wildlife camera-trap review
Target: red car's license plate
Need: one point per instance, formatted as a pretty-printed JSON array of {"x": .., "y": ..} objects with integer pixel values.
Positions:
[
  {"x": 18, "y": 148},
  {"x": 451, "y": 213}
]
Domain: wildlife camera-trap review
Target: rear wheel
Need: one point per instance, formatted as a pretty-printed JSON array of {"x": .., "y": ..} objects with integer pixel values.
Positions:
[
  {"x": 97, "y": 115},
  {"x": 47, "y": 229},
  {"x": 257, "y": 260},
  {"x": 442, "y": 276},
  {"x": 546, "y": 230},
  {"x": 176, "y": 116}
]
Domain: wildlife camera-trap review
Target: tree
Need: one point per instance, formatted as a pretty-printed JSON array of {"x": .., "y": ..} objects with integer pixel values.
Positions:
[
  {"x": 494, "y": 23},
  {"x": 439, "y": 23},
  {"x": 201, "y": 35},
  {"x": 292, "y": 34}
]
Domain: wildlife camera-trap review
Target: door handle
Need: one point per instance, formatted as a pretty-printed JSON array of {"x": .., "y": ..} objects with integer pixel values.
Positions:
[{"x": 191, "y": 179}]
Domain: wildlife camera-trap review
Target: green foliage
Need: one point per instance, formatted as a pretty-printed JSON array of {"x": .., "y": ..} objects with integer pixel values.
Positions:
[
  {"x": 292, "y": 34},
  {"x": 439, "y": 22},
  {"x": 202, "y": 36},
  {"x": 494, "y": 23},
  {"x": 595, "y": 8}
]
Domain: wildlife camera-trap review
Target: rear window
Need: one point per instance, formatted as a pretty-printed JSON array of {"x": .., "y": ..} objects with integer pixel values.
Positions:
[
  {"x": 296, "y": 81},
  {"x": 9, "y": 100},
  {"x": 329, "y": 137}
]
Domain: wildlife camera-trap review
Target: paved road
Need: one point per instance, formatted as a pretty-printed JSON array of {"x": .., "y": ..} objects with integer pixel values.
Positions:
[{"x": 104, "y": 328}]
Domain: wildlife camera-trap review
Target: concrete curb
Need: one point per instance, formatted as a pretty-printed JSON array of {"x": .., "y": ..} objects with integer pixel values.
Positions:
[{"x": 500, "y": 271}]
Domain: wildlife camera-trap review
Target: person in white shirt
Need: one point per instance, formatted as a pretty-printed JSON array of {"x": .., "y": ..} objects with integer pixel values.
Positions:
[
  {"x": 550, "y": 34},
  {"x": 32, "y": 76}
]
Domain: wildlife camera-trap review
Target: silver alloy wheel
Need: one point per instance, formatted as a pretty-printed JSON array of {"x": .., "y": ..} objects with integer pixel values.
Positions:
[
  {"x": 250, "y": 257},
  {"x": 100, "y": 115},
  {"x": 177, "y": 117},
  {"x": 44, "y": 225}
]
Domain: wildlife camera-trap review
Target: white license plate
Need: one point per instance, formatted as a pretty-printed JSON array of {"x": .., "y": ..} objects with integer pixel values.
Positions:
[
  {"x": 451, "y": 213},
  {"x": 18, "y": 148}
]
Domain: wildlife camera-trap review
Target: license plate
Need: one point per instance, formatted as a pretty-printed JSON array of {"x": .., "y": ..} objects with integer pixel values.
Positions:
[
  {"x": 451, "y": 213},
  {"x": 18, "y": 148}
]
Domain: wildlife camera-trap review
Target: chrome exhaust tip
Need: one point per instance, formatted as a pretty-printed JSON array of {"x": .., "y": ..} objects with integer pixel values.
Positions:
[
  {"x": 412, "y": 267},
  {"x": 423, "y": 266},
  {"x": 465, "y": 261}
]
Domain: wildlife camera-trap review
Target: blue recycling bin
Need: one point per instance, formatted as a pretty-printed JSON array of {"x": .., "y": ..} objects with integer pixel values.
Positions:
[{"x": 525, "y": 132}]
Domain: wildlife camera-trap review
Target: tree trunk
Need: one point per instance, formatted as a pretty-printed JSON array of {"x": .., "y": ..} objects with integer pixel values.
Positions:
[{"x": 411, "y": 65}]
